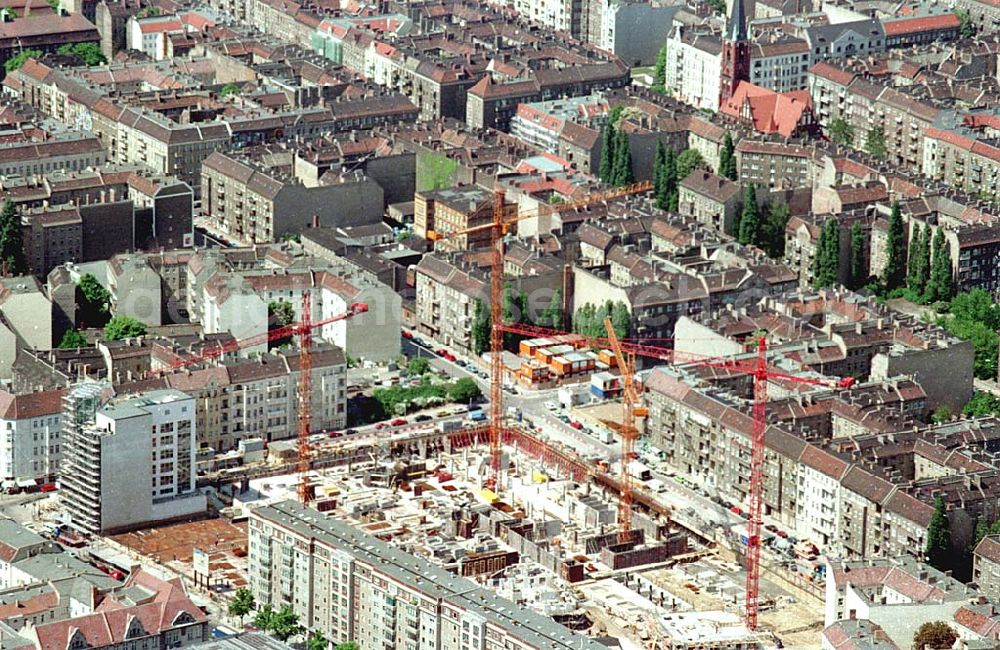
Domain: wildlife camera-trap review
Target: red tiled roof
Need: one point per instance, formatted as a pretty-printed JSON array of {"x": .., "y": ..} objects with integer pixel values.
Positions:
[
  {"x": 770, "y": 112},
  {"x": 832, "y": 73},
  {"x": 922, "y": 24}
]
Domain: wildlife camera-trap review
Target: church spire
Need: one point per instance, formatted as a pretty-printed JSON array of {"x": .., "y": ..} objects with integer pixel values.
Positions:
[
  {"x": 736, "y": 23},
  {"x": 735, "y": 52}
]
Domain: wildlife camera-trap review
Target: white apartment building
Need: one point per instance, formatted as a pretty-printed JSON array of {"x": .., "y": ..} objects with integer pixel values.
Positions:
[
  {"x": 30, "y": 427},
  {"x": 780, "y": 64},
  {"x": 134, "y": 464},
  {"x": 563, "y": 15},
  {"x": 694, "y": 67},
  {"x": 150, "y": 35},
  {"x": 818, "y": 496},
  {"x": 353, "y": 586}
]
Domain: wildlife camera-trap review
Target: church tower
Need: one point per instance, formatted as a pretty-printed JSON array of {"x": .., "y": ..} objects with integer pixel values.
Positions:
[{"x": 735, "y": 52}]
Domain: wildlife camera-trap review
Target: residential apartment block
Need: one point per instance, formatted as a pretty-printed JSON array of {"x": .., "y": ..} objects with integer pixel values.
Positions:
[
  {"x": 30, "y": 435},
  {"x": 453, "y": 210},
  {"x": 237, "y": 399},
  {"x": 252, "y": 198},
  {"x": 138, "y": 129},
  {"x": 133, "y": 464},
  {"x": 712, "y": 200},
  {"x": 352, "y": 586}
]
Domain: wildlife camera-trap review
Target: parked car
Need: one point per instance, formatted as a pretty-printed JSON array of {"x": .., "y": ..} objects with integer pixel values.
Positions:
[
  {"x": 407, "y": 335},
  {"x": 336, "y": 434},
  {"x": 350, "y": 432},
  {"x": 423, "y": 417},
  {"x": 441, "y": 352},
  {"x": 443, "y": 413},
  {"x": 381, "y": 425},
  {"x": 576, "y": 425},
  {"x": 398, "y": 422},
  {"x": 551, "y": 406}
]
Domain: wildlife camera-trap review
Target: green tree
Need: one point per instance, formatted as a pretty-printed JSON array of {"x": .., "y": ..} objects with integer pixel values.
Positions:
[
  {"x": 976, "y": 305},
  {"x": 749, "y": 231},
  {"x": 727, "y": 158},
  {"x": 72, "y": 340},
  {"x": 463, "y": 391},
  {"x": 621, "y": 171},
  {"x": 285, "y": 624},
  {"x": 772, "y": 231},
  {"x": 552, "y": 316},
  {"x": 53, "y": 3},
  {"x": 660, "y": 175},
  {"x": 123, "y": 327},
  {"x": 859, "y": 270},
  {"x": 895, "y": 266},
  {"x": 230, "y": 89},
  {"x": 967, "y": 29},
  {"x": 264, "y": 618},
  {"x": 583, "y": 319},
  {"x": 608, "y": 142},
  {"x": 660, "y": 72},
  {"x": 841, "y": 132},
  {"x": 826, "y": 264},
  {"x": 317, "y": 641},
  {"x": 350, "y": 645},
  {"x": 875, "y": 143},
  {"x": 149, "y": 12},
  {"x": 939, "y": 285},
  {"x": 938, "y": 549},
  {"x": 93, "y": 301},
  {"x": 975, "y": 318},
  {"x": 936, "y": 635},
  {"x": 12, "y": 239},
  {"x": 621, "y": 319},
  {"x": 480, "y": 328},
  {"x": 984, "y": 344},
  {"x": 15, "y": 62},
  {"x": 941, "y": 414},
  {"x": 670, "y": 181},
  {"x": 242, "y": 603},
  {"x": 89, "y": 53},
  {"x": 918, "y": 267},
  {"x": 718, "y": 6},
  {"x": 688, "y": 161},
  {"x": 982, "y": 404},
  {"x": 418, "y": 366},
  {"x": 280, "y": 313}
]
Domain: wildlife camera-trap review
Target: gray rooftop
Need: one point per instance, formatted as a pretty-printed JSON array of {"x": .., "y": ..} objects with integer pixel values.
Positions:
[
  {"x": 16, "y": 536},
  {"x": 537, "y": 630}
]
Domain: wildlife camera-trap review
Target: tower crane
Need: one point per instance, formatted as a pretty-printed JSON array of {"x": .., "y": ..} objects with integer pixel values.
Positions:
[
  {"x": 303, "y": 330},
  {"x": 632, "y": 408},
  {"x": 761, "y": 373},
  {"x": 502, "y": 219}
]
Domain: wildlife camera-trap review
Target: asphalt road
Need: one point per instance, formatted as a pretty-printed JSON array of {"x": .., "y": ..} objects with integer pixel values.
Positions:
[{"x": 532, "y": 404}]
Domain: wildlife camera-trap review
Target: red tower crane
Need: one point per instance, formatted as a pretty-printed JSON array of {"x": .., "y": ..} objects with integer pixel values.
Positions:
[
  {"x": 502, "y": 219},
  {"x": 303, "y": 330},
  {"x": 762, "y": 374}
]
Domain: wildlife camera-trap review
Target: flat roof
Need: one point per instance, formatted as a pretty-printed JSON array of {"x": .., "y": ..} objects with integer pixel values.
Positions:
[{"x": 433, "y": 581}]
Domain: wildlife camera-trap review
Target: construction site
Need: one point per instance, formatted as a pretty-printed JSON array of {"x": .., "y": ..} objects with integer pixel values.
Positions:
[{"x": 588, "y": 541}]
